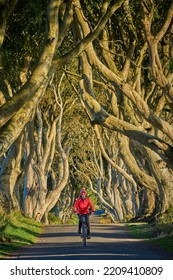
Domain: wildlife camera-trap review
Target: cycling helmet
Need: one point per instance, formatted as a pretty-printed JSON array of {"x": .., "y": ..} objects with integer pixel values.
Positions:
[{"x": 83, "y": 191}]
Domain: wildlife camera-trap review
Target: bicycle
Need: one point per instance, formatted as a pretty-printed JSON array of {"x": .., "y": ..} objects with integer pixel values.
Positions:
[{"x": 84, "y": 228}]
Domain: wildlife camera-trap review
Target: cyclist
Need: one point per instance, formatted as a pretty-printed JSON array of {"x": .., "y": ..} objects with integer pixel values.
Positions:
[{"x": 83, "y": 206}]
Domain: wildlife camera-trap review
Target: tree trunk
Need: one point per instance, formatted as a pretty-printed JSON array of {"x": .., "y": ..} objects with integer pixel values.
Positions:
[{"x": 10, "y": 171}]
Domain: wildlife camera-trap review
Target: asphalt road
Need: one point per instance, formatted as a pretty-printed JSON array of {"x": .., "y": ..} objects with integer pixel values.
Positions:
[{"x": 108, "y": 242}]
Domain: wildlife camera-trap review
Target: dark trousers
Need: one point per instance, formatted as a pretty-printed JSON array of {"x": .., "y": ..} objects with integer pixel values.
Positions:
[{"x": 86, "y": 221}]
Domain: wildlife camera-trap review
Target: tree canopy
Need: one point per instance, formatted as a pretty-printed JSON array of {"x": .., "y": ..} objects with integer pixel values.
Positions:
[{"x": 86, "y": 98}]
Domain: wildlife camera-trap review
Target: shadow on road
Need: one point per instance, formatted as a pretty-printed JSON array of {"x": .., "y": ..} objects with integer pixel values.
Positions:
[{"x": 108, "y": 242}]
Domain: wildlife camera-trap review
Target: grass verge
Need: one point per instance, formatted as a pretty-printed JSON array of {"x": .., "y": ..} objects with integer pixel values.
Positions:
[
  {"x": 16, "y": 231},
  {"x": 159, "y": 234}
]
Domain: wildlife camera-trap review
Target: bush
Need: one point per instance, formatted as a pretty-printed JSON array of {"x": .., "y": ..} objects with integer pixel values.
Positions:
[
  {"x": 166, "y": 217},
  {"x": 53, "y": 219},
  {"x": 105, "y": 219}
]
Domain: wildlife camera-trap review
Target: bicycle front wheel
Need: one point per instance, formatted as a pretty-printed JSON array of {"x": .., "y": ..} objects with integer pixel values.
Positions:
[{"x": 84, "y": 234}]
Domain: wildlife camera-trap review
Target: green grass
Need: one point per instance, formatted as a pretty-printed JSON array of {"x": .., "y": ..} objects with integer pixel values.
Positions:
[
  {"x": 159, "y": 234},
  {"x": 17, "y": 230},
  {"x": 53, "y": 220}
]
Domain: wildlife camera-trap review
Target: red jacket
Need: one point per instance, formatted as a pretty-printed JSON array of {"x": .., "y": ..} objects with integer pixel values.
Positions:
[{"x": 83, "y": 206}]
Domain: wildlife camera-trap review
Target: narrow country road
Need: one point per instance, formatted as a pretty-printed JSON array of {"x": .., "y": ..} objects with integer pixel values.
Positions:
[{"x": 108, "y": 242}]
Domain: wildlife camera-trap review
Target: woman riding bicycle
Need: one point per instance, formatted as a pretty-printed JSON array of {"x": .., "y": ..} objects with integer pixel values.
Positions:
[{"x": 83, "y": 206}]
